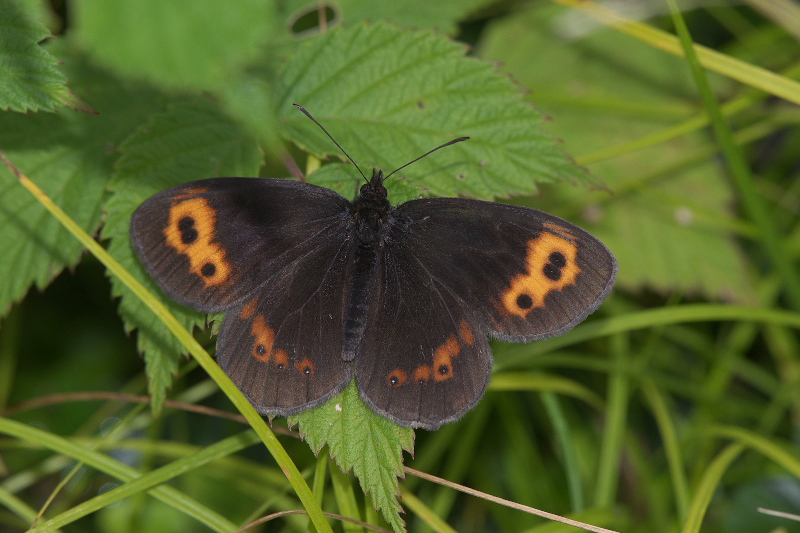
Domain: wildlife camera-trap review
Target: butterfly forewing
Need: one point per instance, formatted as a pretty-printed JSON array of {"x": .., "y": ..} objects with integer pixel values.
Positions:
[
  {"x": 527, "y": 274},
  {"x": 210, "y": 243}
]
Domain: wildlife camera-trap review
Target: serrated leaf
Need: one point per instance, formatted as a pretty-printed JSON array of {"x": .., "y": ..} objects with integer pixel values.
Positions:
[
  {"x": 70, "y": 156},
  {"x": 181, "y": 43},
  {"x": 189, "y": 141},
  {"x": 29, "y": 77},
  {"x": 360, "y": 440},
  {"x": 667, "y": 221},
  {"x": 389, "y": 95},
  {"x": 422, "y": 14}
]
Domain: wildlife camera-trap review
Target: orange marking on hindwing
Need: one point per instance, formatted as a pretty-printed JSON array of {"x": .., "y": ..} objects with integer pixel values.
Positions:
[
  {"x": 442, "y": 367},
  {"x": 305, "y": 367},
  {"x": 422, "y": 374},
  {"x": 465, "y": 333},
  {"x": 191, "y": 231},
  {"x": 264, "y": 345},
  {"x": 443, "y": 359},
  {"x": 397, "y": 377},
  {"x": 281, "y": 359},
  {"x": 264, "y": 339},
  {"x": 552, "y": 265},
  {"x": 248, "y": 309}
]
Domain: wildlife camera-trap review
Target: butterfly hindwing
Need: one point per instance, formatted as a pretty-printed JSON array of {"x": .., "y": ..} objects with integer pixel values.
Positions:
[
  {"x": 454, "y": 271},
  {"x": 210, "y": 243},
  {"x": 283, "y": 348},
  {"x": 422, "y": 362}
]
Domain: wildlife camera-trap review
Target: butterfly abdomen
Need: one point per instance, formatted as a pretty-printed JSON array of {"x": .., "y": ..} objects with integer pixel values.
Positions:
[{"x": 355, "y": 318}]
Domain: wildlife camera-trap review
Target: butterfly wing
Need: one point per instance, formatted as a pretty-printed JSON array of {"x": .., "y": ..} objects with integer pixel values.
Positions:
[
  {"x": 210, "y": 243},
  {"x": 421, "y": 361},
  {"x": 283, "y": 348},
  {"x": 458, "y": 270},
  {"x": 273, "y": 254}
]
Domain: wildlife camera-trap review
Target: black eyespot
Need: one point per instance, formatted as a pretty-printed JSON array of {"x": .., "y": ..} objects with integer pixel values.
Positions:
[
  {"x": 307, "y": 370},
  {"x": 261, "y": 350},
  {"x": 188, "y": 232},
  {"x": 558, "y": 260},
  {"x": 552, "y": 272},
  {"x": 444, "y": 370},
  {"x": 280, "y": 366},
  {"x": 185, "y": 223},
  {"x": 524, "y": 301},
  {"x": 208, "y": 270}
]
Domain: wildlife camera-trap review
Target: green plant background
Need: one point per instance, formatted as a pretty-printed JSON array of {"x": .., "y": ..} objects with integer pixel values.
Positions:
[{"x": 673, "y": 408}]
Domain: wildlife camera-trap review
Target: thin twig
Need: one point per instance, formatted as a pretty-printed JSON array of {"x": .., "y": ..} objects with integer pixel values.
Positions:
[{"x": 507, "y": 503}]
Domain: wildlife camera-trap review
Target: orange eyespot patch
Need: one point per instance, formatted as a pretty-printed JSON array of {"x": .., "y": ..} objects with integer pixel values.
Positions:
[
  {"x": 443, "y": 359},
  {"x": 305, "y": 366},
  {"x": 263, "y": 344},
  {"x": 552, "y": 265},
  {"x": 191, "y": 231},
  {"x": 442, "y": 367},
  {"x": 397, "y": 377},
  {"x": 465, "y": 332}
]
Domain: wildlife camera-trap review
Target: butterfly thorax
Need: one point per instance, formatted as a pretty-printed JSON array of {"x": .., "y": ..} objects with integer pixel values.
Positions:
[
  {"x": 371, "y": 210},
  {"x": 372, "y": 203}
]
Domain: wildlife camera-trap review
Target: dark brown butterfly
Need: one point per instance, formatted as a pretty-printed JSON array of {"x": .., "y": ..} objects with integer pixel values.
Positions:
[{"x": 319, "y": 290}]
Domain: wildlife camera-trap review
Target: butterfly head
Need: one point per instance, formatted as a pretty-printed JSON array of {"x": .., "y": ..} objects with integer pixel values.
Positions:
[
  {"x": 373, "y": 195},
  {"x": 375, "y": 184}
]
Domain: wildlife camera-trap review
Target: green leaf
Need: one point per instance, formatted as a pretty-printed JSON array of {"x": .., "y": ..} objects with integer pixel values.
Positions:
[
  {"x": 668, "y": 223},
  {"x": 70, "y": 156},
  {"x": 423, "y": 14},
  {"x": 301, "y": 18},
  {"x": 708, "y": 485},
  {"x": 389, "y": 95},
  {"x": 187, "y": 142},
  {"x": 360, "y": 440},
  {"x": 29, "y": 79},
  {"x": 181, "y": 43}
]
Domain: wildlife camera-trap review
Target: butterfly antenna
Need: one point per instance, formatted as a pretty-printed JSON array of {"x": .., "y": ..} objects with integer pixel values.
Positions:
[
  {"x": 306, "y": 113},
  {"x": 427, "y": 154}
]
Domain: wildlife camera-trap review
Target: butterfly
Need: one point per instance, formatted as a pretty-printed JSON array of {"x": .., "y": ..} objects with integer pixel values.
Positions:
[{"x": 319, "y": 290}]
